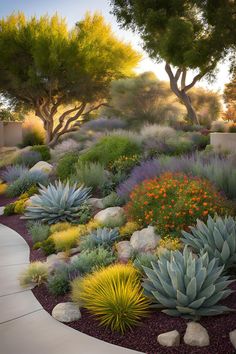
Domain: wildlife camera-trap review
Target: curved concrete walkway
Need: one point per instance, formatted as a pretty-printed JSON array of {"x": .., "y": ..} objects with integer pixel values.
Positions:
[{"x": 25, "y": 327}]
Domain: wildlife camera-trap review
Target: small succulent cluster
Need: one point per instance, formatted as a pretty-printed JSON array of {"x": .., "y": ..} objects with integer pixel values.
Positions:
[{"x": 100, "y": 237}]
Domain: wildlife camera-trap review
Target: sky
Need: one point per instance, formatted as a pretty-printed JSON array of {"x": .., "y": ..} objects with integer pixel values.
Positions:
[{"x": 74, "y": 10}]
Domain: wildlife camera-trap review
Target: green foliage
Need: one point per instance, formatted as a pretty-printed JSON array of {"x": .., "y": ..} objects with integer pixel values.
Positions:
[
  {"x": 143, "y": 98},
  {"x": 9, "y": 209},
  {"x": 110, "y": 148},
  {"x": 25, "y": 182},
  {"x": 114, "y": 295},
  {"x": 112, "y": 200},
  {"x": 216, "y": 237},
  {"x": 38, "y": 231},
  {"x": 144, "y": 260},
  {"x": 186, "y": 286},
  {"x": 43, "y": 150},
  {"x": 100, "y": 237},
  {"x": 77, "y": 68},
  {"x": 59, "y": 282},
  {"x": 36, "y": 273},
  {"x": 28, "y": 158},
  {"x": 91, "y": 174},
  {"x": 57, "y": 202},
  {"x": 67, "y": 165},
  {"x": 125, "y": 163},
  {"x": 91, "y": 260},
  {"x": 47, "y": 246}
]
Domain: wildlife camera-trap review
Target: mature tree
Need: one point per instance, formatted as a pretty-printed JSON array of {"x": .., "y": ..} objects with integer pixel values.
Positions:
[
  {"x": 61, "y": 74},
  {"x": 230, "y": 99},
  {"x": 184, "y": 34},
  {"x": 143, "y": 98}
]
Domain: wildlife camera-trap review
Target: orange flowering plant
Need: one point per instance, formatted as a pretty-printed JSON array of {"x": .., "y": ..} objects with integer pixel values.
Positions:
[{"x": 173, "y": 202}]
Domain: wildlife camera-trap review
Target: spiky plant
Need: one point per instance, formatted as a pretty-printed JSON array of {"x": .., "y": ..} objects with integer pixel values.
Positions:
[
  {"x": 100, "y": 237},
  {"x": 36, "y": 273},
  {"x": 187, "y": 286},
  {"x": 57, "y": 202},
  {"x": 217, "y": 237},
  {"x": 114, "y": 294}
]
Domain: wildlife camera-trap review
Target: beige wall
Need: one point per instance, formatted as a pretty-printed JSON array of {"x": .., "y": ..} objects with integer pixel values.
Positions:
[
  {"x": 10, "y": 133},
  {"x": 224, "y": 141}
]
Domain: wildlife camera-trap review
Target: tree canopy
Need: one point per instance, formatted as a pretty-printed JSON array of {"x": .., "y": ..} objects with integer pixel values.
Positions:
[
  {"x": 51, "y": 69},
  {"x": 186, "y": 34},
  {"x": 230, "y": 99}
]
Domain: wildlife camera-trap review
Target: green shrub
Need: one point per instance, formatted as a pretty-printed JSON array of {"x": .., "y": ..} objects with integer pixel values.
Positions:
[
  {"x": 38, "y": 231},
  {"x": 124, "y": 163},
  {"x": 91, "y": 174},
  {"x": 59, "y": 282},
  {"x": 67, "y": 165},
  {"x": 110, "y": 148},
  {"x": 9, "y": 209},
  {"x": 28, "y": 158},
  {"x": 90, "y": 260},
  {"x": 31, "y": 138},
  {"x": 47, "y": 246},
  {"x": 43, "y": 150},
  {"x": 99, "y": 237},
  {"x": 185, "y": 286},
  {"x": 112, "y": 200}
]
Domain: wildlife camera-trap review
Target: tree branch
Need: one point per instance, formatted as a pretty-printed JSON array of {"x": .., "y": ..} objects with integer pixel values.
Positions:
[
  {"x": 183, "y": 78},
  {"x": 195, "y": 79}
]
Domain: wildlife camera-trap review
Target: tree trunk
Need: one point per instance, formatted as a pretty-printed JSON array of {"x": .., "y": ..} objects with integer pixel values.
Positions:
[{"x": 179, "y": 87}]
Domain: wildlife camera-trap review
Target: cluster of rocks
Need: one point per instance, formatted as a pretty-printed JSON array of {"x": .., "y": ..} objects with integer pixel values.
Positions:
[{"x": 195, "y": 335}]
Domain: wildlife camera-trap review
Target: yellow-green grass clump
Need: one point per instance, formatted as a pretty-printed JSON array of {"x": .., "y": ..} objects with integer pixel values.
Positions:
[
  {"x": 36, "y": 273},
  {"x": 114, "y": 294}
]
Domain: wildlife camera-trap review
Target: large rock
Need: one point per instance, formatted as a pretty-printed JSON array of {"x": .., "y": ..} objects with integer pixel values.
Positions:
[
  {"x": 145, "y": 240},
  {"x": 42, "y": 166},
  {"x": 66, "y": 312},
  {"x": 196, "y": 335},
  {"x": 54, "y": 261},
  {"x": 169, "y": 339},
  {"x": 125, "y": 251},
  {"x": 232, "y": 336},
  {"x": 96, "y": 203},
  {"x": 114, "y": 215}
]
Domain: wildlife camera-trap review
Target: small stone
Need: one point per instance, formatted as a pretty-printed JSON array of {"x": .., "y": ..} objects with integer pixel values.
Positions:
[
  {"x": 53, "y": 262},
  {"x": 125, "y": 251},
  {"x": 169, "y": 339},
  {"x": 66, "y": 312},
  {"x": 96, "y": 203},
  {"x": 145, "y": 240},
  {"x": 232, "y": 336},
  {"x": 116, "y": 215},
  {"x": 42, "y": 166},
  {"x": 196, "y": 335}
]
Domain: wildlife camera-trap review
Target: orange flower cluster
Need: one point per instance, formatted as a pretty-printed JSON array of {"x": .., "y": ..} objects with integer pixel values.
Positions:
[{"x": 173, "y": 202}]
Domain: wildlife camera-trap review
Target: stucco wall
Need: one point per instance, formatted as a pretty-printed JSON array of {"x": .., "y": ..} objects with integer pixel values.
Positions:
[
  {"x": 10, "y": 133},
  {"x": 224, "y": 141}
]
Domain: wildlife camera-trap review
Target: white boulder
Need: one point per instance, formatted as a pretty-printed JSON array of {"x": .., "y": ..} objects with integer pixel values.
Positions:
[
  {"x": 114, "y": 215},
  {"x": 232, "y": 337},
  {"x": 54, "y": 261},
  {"x": 196, "y": 335},
  {"x": 66, "y": 312},
  {"x": 169, "y": 339},
  {"x": 124, "y": 250},
  {"x": 145, "y": 240},
  {"x": 42, "y": 166}
]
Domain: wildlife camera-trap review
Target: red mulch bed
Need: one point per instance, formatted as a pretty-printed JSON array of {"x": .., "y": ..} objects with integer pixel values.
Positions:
[{"x": 144, "y": 337}]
